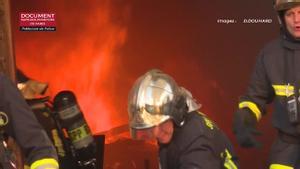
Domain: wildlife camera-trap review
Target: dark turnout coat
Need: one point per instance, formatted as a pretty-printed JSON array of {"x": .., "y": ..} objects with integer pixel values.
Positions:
[
  {"x": 197, "y": 144},
  {"x": 18, "y": 121},
  {"x": 276, "y": 78}
]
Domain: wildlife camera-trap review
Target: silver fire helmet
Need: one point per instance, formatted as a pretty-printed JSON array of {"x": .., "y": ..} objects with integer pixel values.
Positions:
[
  {"x": 154, "y": 98},
  {"x": 281, "y": 5}
]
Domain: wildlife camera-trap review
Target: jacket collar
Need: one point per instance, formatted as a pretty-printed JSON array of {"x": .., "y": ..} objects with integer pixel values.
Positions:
[{"x": 290, "y": 44}]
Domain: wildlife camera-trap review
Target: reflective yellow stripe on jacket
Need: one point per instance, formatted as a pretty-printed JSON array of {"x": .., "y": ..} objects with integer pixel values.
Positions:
[
  {"x": 280, "y": 166},
  {"x": 283, "y": 90},
  {"x": 47, "y": 163},
  {"x": 228, "y": 163},
  {"x": 253, "y": 107}
]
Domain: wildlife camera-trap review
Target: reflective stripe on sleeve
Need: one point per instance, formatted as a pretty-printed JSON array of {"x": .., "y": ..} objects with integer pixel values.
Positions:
[
  {"x": 253, "y": 107},
  {"x": 283, "y": 90},
  {"x": 229, "y": 164},
  {"x": 46, "y": 163},
  {"x": 280, "y": 166}
]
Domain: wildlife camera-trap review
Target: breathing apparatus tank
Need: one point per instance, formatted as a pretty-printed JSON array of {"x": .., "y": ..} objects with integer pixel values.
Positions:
[{"x": 77, "y": 130}]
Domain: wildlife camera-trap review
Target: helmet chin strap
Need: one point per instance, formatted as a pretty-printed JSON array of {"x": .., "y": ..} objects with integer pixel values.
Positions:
[{"x": 279, "y": 20}]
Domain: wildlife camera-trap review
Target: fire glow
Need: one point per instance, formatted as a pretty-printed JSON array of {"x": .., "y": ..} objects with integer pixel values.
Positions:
[{"x": 80, "y": 56}]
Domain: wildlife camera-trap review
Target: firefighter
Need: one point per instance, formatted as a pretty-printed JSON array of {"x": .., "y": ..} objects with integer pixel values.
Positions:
[
  {"x": 275, "y": 78},
  {"x": 18, "y": 121},
  {"x": 159, "y": 109}
]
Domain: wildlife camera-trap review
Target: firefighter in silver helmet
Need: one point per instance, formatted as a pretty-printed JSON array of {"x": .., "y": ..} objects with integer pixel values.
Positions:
[
  {"x": 276, "y": 78},
  {"x": 159, "y": 109}
]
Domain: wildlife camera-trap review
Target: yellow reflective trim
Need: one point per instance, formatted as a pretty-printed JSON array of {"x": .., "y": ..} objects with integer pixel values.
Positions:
[
  {"x": 46, "y": 161},
  {"x": 208, "y": 123},
  {"x": 283, "y": 90},
  {"x": 280, "y": 166},
  {"x": 202, "y": 114},
  {"x": 252, "y": 106},
  {"x": 229, "y": 164}
]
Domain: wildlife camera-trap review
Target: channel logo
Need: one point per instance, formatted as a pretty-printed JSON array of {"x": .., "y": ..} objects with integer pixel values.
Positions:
[{"x": 37, "y": 21}]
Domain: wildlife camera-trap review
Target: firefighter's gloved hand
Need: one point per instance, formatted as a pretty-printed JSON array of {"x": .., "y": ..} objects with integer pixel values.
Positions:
[
  {"x": 244, "y": 129},
  {"x": 247, "y": 138}
]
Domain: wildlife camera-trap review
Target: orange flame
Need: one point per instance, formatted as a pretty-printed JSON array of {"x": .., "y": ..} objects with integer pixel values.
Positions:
[{"x": 81, "y": 55}]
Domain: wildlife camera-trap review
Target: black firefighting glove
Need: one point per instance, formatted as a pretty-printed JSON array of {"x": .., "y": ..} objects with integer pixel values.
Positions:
[{"x": 244, "y": 123}]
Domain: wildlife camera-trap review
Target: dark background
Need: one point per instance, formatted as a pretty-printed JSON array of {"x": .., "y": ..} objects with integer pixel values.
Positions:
[{"x": 101, "y": 47}]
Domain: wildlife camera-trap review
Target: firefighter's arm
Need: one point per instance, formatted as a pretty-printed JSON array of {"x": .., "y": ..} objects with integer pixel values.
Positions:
[
  {"x": 24, "y": 127},
  {"x": 201, "y": 154},
  {"x": 260, "y": 91},
  {"x": 251, "y": 106}
]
